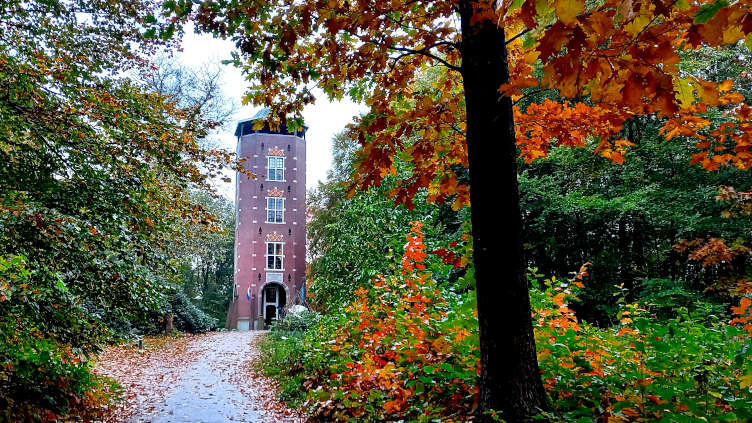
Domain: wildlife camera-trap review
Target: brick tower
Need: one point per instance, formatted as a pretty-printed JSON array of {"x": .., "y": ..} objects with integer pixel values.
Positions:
[{"x": 269, "y": 224}]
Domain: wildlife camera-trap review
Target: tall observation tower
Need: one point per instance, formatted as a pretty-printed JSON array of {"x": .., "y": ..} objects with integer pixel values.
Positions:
[{"x": 269, "y": 224}]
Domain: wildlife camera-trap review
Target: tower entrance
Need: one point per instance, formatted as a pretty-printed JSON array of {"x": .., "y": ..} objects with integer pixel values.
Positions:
[{"x": 273, "y": 300}]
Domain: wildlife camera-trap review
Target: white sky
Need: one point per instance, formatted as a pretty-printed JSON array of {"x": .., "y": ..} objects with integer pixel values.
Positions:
[{"x": 324, "y": 119}]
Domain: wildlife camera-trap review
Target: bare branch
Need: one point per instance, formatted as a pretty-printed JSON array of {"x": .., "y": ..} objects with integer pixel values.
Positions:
[{"x": 426, "y": 51}]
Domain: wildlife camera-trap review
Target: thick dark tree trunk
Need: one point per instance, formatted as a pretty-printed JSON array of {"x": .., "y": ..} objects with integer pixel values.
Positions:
[{"x": 510, "y": 378}]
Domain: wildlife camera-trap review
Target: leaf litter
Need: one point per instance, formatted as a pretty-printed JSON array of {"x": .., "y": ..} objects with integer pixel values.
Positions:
[{"x": 193, "y": 378}]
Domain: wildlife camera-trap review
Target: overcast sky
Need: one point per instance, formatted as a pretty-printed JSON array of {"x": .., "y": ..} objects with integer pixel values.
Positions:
[{"x": 324, "y": 119}]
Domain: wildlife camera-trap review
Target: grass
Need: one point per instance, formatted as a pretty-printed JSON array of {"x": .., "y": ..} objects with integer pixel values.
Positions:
[{"x": 281, "y": 360}]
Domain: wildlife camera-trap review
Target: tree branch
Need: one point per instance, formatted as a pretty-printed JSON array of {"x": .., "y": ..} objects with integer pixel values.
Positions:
[
  {"x": 425, "y": 51},
  {"x": 518, "y": 36}
]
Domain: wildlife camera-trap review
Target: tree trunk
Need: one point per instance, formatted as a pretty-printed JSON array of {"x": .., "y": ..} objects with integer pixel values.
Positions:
[
  {"x": 510, "y": 378},
  {"x": 169, "y": 326},
  {"x": 638, "y": 246},
  {"x": 625, "y": 265}
]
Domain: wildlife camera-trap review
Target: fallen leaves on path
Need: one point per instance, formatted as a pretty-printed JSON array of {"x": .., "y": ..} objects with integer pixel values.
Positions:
[
  {"x": 190, "y": 377},
  {"x": 146, "y": 376},
  {"x": 263, "y": 390}
]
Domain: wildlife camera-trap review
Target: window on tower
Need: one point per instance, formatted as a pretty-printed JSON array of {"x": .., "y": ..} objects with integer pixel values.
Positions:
[
  {"x": 276, "y": 168},
  {"x": 275, "y": 210},
  {"x": 274, "y": 255}
]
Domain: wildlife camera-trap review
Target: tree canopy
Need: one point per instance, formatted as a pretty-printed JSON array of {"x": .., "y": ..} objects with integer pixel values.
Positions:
[
  {"x": 97, "y": 167},
  {"x": 622, "y": 56}
]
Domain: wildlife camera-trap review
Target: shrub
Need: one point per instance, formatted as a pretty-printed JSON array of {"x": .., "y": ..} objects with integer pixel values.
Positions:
[
  {"x": 666, "y": 297},
  {"x": 43, "y": 380},
  {"x": 400, "y": 351},
  {"x": 685, "y": 368},
  {"x": 406, "y": 351},
  {"x": 282, "y": 358},
  {"x": 742, "y": 322},
  {"x": 188, "y": 317},
  {"x": 44, "y": 371},
  {"x": 299, "y": 321}
]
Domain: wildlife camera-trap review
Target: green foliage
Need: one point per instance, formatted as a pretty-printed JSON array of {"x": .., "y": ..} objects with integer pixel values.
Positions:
[
  {"x": 282, "y": 354},
  {"x": 96, "y": 171},
  {"x": 708, "y": 10},
  {"x": 642, "y": 369},
  {"x": 41, "y": 378},
  {"x": 353, "y": 239},
  {"x": 205, "y": 259},
  {"x": 188, "y": 317},
  {"x": 297, "y": 322},
  {"x": 625, "y": 219},
  {"x": 350, "y": 240},
  {"x": 666, "y": 298}
]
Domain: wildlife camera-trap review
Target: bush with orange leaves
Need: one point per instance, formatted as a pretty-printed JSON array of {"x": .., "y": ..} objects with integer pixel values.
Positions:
[
  {"x": 407, "y": 350},
  {"x": 403, "y": 350}
]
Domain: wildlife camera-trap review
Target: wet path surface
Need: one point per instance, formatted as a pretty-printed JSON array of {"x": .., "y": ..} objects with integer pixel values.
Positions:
[{"x": 207, "y": 378}]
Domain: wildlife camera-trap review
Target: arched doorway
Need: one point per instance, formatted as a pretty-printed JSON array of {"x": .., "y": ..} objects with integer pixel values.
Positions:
[{"x": 273, "y": 299}]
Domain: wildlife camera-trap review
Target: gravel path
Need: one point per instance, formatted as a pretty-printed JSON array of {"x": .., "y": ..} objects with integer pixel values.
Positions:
[{"x": 206, "y": 378}]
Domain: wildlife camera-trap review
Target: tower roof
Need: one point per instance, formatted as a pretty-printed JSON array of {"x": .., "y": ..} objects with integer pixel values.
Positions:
[
  {"x": 261, "y": 114},
  {"x": 245, "y": 127}
]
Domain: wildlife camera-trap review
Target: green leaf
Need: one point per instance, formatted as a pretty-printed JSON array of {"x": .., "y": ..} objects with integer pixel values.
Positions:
[
  {"x": 168, "y": 32},
  {"x": 61, "y": 286},
  {"x": 707, "y": 11},
  {"x": 419, "y": 388}
]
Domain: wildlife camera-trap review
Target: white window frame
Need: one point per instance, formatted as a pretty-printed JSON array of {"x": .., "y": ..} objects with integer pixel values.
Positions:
[
  {"x": 281, "y": 255},
  {"x": 281, "y": 210},
  {"x": 279, "y": 171}
]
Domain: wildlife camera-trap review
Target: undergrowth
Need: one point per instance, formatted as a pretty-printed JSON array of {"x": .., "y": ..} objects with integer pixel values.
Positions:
[{"x": 407, "y": 350}]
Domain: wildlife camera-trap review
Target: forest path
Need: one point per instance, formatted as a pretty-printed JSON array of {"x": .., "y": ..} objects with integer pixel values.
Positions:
[{"x": 207, "y": 378}]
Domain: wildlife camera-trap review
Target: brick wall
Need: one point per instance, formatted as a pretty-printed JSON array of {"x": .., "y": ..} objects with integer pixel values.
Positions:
[{"x": 252, "y": 231}]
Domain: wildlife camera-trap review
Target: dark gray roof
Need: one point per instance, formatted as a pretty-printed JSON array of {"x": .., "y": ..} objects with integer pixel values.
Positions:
[
  {"x": 246, "y": 126},
  {"x": 261, "y": 114}
]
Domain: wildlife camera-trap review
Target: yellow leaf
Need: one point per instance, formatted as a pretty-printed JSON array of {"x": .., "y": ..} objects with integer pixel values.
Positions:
[
  {"x": 543, "y": 7},
  {"x": 732, "y": 34},
  {"x": 684, "y": 92},
  {"x": 681, "y": 5},
  {"x": 531, "y": 56},
  {"x": 748, "y": 41},
  {"x": 567, "y": 10},
  {"x": 638, "y": 24},
  {"x": 746, "y": 381}
]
